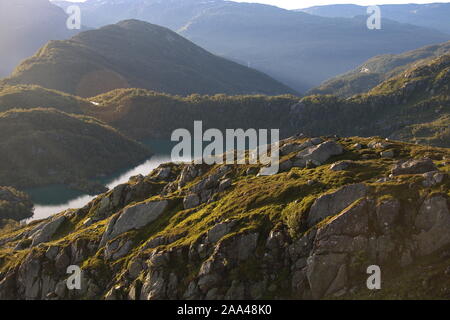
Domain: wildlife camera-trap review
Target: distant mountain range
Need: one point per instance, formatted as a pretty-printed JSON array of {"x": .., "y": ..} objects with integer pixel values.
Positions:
[
  {"x": 298, "y": 49},
  {"x": 430, "y": 15},
  {"x": 413, "y": 105},
  {"x": 377, "y": 69},
  {"x": 25, "y": 26},
  {"x": 138, "y": 54}
]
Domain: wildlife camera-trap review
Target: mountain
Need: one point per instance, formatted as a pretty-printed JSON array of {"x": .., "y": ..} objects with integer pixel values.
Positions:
[
  {"x": 413, "y": 105},
  {"x": 41, "y": 147},
  {"x": 430, "y": 15},
  {"x": 377, "y": 69},
  {"x": 137, "y": 54},
  {"x": 173, "y": 14},
  {"x": 296, "y": 48},
  {"x": 144, "y": 114},
  {"x": 220, "y": 232},
  {"x": 25, "y": 26}
]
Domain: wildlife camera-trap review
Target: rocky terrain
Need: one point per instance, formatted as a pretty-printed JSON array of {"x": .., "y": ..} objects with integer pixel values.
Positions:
[{"x": 185, "y": 231}]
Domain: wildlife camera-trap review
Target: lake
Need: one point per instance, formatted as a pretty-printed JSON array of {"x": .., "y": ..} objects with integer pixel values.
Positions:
[{"x": 56, "y": 198}]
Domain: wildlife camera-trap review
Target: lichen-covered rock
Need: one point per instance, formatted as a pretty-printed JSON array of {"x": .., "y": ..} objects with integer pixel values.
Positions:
[
  {"x": 134, "y": 217},
  {"x": 47, "y": 231},
  {"x": 414, "y": 166},
  {"x": 320, "y": 153},
  {"x": 332, "y": 203}
]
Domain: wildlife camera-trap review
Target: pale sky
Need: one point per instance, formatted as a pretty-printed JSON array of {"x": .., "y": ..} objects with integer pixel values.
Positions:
[{"x": 300, "y": 4}]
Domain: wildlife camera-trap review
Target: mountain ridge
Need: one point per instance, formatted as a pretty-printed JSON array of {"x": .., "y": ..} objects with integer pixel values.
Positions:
[
  {"x": 292, "y": 47},
  {"x": 378, "y": 69},
  {"x": 133, "y": 53}
]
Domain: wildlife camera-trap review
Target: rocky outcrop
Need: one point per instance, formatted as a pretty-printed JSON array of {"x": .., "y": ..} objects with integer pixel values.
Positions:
[
  {"x": 46, "y": 231},
  {"x": 318, "y": 154},
  {"x": 134, "y": 217},
  {"x": 413, "y": 166},
  {"x": 332, "y": 203}
]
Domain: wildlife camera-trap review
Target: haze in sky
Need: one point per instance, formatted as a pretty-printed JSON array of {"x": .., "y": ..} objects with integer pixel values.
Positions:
[{"x": 300, "y": 4}]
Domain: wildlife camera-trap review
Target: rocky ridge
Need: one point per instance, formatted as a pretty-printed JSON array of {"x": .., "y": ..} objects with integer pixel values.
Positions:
[{"x": 190, "y": 231}]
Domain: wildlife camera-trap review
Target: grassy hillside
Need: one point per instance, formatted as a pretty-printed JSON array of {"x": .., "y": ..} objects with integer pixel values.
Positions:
[
  {"x": 31, "y": 96},
  {"x": 413, "y": 105},
  {"x": 146, "y": 114},
  {"x": 45, "y": 146},
  {"x": 378, "y": 69},
  {"x": 141, "y": 55},
  {"x": 304, "y": 233}
]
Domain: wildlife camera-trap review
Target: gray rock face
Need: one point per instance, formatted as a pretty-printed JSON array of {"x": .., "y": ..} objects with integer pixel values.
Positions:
[
  {"x": 47, "y": 231},
  {"x": 188, "y": 174},
  {"x": 294, "y": 147},
  {"x": 387, "y": 213},
  {"x": 433, "y": 222},
  {"x": 342, "y": 165},
  {"x": 322, "y": 271},
  {"x": 432, "y": 178},
  {"x": 219, "y": 230},
  {"x": 163, "y": 173},
  {"x": 135, "y": 217},
  {"x": 191, "y": 201},
  {"x": 341, "y": 234},
  {"x": 154, "y": 287},
  {"x": 414, "y": 166},
  {"x": 333, "y": 203},
  {"x": 320, "y": 153}
]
